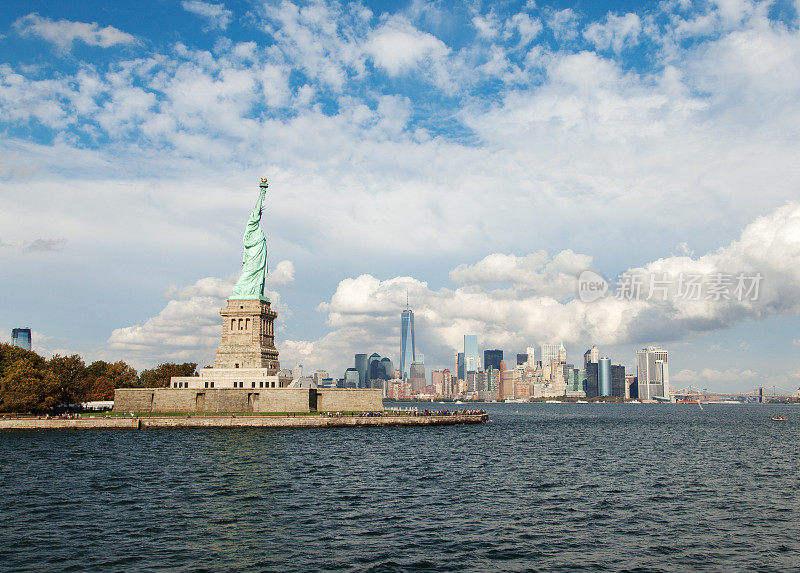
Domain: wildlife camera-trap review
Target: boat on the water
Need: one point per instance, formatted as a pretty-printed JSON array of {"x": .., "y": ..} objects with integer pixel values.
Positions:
[{"x": 778, "y": 419}]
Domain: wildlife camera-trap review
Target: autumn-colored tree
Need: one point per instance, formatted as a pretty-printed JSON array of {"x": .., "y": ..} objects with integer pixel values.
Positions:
[
  {"x": 29, "y": 383},
  {"x": 159, "y": 376},
  {"x": 10, "y": 354},
  {"x": 28, "y": 386},
  {"x": 100, "y": 388},
  {"x": 102, "y": 378}
]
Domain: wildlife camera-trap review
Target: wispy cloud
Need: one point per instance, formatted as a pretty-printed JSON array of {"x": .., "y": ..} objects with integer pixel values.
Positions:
[
  {"x": 44, "y": 246},
  {"x": 63, "y": 33},
  {"x": 730, "y": 375},
  {"x": 217, "y": 16},
  {"x": 615, "y": 32}
]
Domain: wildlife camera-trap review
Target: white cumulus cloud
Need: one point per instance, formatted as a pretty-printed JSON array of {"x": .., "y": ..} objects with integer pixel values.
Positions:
[
  {"x": 189, "y": 326},
  {"x": 363, "y": 312},
  {"x": 398, "y": 47}
]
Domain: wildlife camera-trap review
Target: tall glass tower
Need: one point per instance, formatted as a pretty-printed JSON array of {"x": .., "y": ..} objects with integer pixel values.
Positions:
[
  {"x": 472, "y": 361},
  {"x": 21, "y": 337},
  {"x": 406, "y": 343},
  {"x": 492, "y": 359},
  {"x": 361, "y": 367},
  {"x": 604, "y": 377}
]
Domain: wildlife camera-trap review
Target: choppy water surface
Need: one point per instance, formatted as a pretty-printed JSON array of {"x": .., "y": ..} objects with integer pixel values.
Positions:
[{"x": 541, "y": 487}]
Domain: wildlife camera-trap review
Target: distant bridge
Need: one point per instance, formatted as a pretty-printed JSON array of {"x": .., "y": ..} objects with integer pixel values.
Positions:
[{"x": 760, "y": 394}]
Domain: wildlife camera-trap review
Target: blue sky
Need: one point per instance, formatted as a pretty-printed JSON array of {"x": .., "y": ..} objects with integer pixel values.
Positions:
[{"x": 477, "y": 155}]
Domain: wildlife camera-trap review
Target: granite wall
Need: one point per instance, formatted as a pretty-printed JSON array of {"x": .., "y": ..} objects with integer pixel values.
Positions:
[
  {"x": 246, "y": 400},
  {"x": 349, "y": 400}
]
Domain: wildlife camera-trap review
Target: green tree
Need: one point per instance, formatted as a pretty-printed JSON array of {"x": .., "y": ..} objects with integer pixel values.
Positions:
[
  {"x": 28, "y": 386},
  {"x": 159, "y": 376},
  {"x": 71, "y": 374},
  {"x": 97, "y": 368},
  {"x": 122, "y": 375}
]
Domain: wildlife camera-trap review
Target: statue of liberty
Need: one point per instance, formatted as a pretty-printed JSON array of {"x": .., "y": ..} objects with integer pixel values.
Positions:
[{"x": 254, "y": 261}]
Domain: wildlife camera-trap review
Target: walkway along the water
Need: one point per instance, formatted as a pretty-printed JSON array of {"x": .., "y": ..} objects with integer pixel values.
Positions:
[{"x": 231, "y": 421}]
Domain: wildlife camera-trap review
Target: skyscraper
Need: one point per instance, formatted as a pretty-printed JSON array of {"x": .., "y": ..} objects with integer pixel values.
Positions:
[
  {"x": 531, "y": 357},
  {"x": 632, "y": 386},
  {"x": 591, "y": 356},
  {"x": 437, "y": 381},
  {"x": 592, "y": 386},
  {"x": 417, "y": 377},
  {"x": 618, "y": 386},
  {"x": 406, "y": 343},
  {"x": 492, "y": 359},
  {"x": 351, "y": 378},
  {"x": 21, "y": 337},
  {"x": 577, "y": 380},
  {"x": 448, "y": 382},
  {"x": 550, "y": 353},
  {"x": 502, "y": 390},
  {"x": 374, "y": 369},
  {"x": 461, "y": 373},
  {"x": 567, "y": 370},
  {"x": 604, "y": 377},
  {"x": 652, "y": 373},
  {"x": 522, "y": 359},
  {"x": 472, "y": 361},
  {"x": 361, "y": 367},
  {"x": 388, "y": 368}
]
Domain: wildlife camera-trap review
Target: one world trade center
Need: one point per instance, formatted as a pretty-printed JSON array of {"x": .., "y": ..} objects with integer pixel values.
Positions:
[{"x": 406, "y": 343}]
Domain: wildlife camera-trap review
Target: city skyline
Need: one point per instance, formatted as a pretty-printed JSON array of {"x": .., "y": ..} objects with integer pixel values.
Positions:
[
  {"x": 524, "y": 145},
  {"x": 492, "y": 379}
]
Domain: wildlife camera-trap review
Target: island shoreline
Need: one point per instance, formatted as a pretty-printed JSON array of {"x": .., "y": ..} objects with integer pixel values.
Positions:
[{"x": 157, "y": 422}]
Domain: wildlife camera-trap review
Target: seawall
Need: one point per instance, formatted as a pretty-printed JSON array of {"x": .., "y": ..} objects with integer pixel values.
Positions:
[{"x": 236, "y": 422}]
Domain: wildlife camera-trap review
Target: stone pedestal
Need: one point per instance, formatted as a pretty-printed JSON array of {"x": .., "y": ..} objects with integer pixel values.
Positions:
[{"x": 248, "y": 337}]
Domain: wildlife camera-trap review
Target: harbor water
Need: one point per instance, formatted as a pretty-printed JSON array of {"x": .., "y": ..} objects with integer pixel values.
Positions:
[{"x": 549, "y": 487}]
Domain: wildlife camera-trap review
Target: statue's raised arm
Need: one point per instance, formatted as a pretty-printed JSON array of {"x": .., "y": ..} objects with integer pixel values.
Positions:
[{"x": 254, "y": 259}]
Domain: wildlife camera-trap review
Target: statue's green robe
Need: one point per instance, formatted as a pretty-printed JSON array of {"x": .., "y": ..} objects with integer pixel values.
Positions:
[{"x": 254, "y": 260}]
